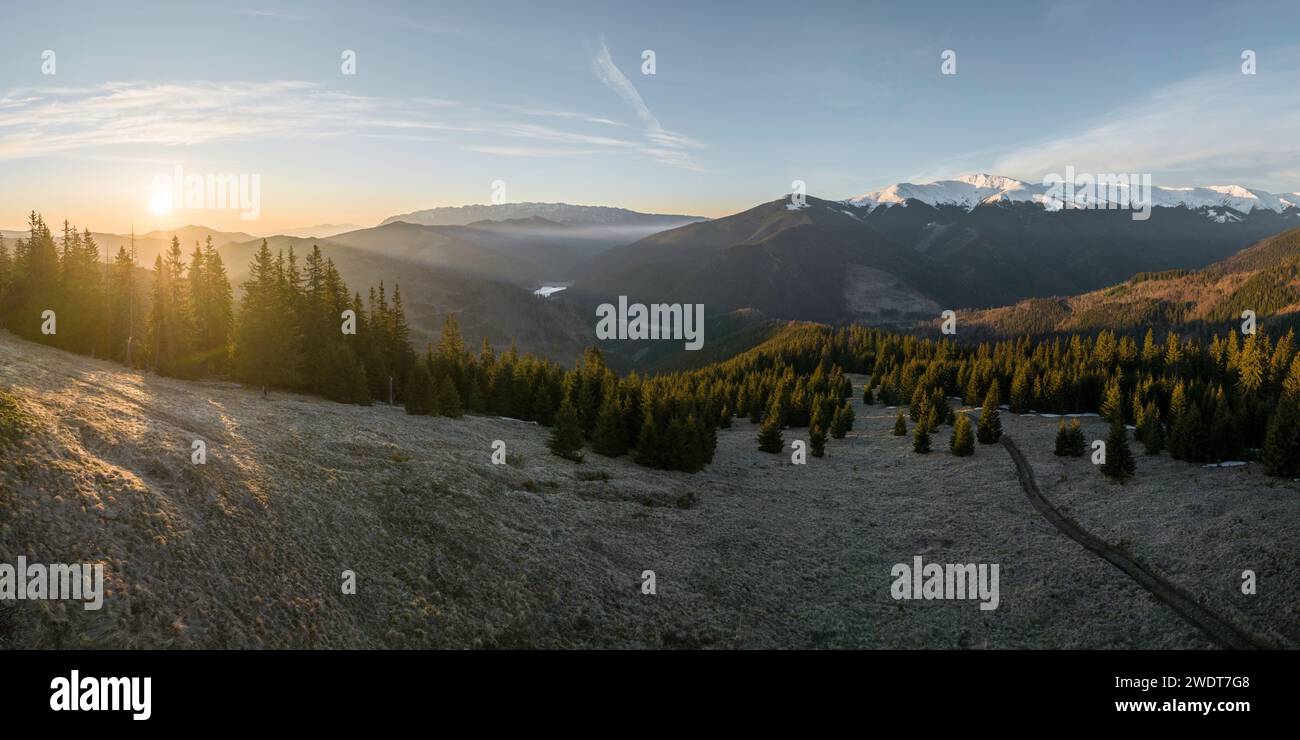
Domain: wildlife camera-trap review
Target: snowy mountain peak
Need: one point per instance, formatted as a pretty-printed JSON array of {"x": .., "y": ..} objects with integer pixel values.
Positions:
[
  {"x": 969, "y": 191},
  {"x": 995, "y": 182}
]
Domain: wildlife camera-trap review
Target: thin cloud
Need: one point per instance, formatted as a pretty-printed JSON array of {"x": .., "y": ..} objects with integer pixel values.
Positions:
[
  {"x": 559, "y": 113},
  {"x": 1211, "y": 129},
  {"x": 269, "y": 14},
  {"x": 519, "y": 151},
  {"x": 664, "y": 146},
  {"x": 40, "y": 122},
  {"x": 62, "y": 121}
]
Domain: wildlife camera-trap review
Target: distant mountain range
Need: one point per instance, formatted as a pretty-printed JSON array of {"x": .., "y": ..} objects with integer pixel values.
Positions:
[
  {"x": 898, "y": 256},
  {"x": 560, "y": 213},
  {"x": 969, "y": 191},
  {"x": 906, "y": 252},
  {"x": 321, "y": 231}
]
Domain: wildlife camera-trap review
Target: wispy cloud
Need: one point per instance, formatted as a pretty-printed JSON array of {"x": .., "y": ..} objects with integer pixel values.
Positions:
[
  {"x": 50, "y": 121},
  {"x": 559, "y": 113},
  {"x": 1210, "y": 129},
  {"x": 38, "y": 122},
  {"x": 269, "y": 14},
  {"x": 521, "y": 151},
  {"x": 662, "y": 145}
]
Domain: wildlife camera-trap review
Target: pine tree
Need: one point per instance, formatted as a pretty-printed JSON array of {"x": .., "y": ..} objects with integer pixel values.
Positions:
[
  {"x": 1021, "y": 391},
  {"x": 1281, "y": 453},
  {"x": 900, "y": 426},
  {"x": 1188, "y": 440},
  {"x": 916, "y": 409},
  {"x": 867, "y": 398},
  {"x": 447, "y": 399},
  {"x": 419, "y": 391},
  {"x": 1119, "y": 458},
  {"x": 921, "y": 438},
  {"x": 817, "y": 442},
  {"x": 1062, "y": 440},
  {"x": 1151, "y": 432},
  {"x": 566, "y": 436},
  {"x": 990, "y": 423},
  {"x": 1177, "y": 402},
  {"x": 769, "y": 433},
  {"x": 1069, "y": 439},
  {"x": 217, "y": 313},
  {"x": 609, "y": 438},
  {"x": 1112, "y": 406},
  {"x": 839, "y": 423},
  {"x": 265, "y": 346},
  {"x": 962, "y": 443},
  {"x": 124, "y": 317},
  {"x": 648, "y": 445}
]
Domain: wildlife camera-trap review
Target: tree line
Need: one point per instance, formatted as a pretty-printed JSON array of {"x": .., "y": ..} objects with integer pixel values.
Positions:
[{"x": 298, "y": 327}]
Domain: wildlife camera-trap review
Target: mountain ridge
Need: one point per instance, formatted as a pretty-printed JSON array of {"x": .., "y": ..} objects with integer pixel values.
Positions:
[
  {"x": 1264, "y": 278},
  {"x": 971, "y": 190},
  {"x": 564, "y": 213}
]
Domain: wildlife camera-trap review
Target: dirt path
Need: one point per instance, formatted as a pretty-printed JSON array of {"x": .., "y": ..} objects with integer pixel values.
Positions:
[{"x": 1221, "y": 631}]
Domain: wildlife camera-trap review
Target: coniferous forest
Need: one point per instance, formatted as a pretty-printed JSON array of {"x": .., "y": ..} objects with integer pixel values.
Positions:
[{"x": 1225, "y": 397}]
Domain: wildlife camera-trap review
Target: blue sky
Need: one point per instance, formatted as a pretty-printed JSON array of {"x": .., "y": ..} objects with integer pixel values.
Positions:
[{"x": 549, "y": 98}]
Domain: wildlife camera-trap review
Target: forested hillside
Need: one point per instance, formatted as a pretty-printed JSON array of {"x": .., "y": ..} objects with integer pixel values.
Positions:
[{"x": 1225, "y": 398}]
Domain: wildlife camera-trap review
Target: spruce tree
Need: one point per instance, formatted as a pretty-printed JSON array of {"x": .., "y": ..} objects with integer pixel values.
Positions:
[
  {"x": 419, "y": 391},
  {"x": 447, "y": 400},
  {"x": 817, "y": 442},
  {"x": 263, "y": 339},
  {"x": 1062, "y": 440},
  {"x": 1119, "y": 463},
  {"x": 769, "y": 433},
  {"x": 648, "y": 452},
  {"x": 839, "y": 423},
  {"x": 1112, "y": 405},
  {"x": 1281, "y": 454},
  {"x": 962, "y": 443},
  {"x": 1152, "y": 432},
  {"x": 566, "y": 436},
  {"x": 1069, "y": 439},
  {"x": 1021, "y": 392},
  {"x": 1188, "y": 440},
  {"x": 990, "y": 423},
  {"x": 921, "y": 438},
  {"x": 900, "y": 426},
  {"x": 609, "y": 438}
]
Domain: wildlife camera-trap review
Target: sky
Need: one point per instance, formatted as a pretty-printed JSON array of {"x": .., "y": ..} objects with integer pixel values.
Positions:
[{"x": 452, "y": 102}]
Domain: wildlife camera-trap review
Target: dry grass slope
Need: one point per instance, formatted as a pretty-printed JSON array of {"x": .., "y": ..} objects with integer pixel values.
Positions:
[{"x": 451, "y": 551}]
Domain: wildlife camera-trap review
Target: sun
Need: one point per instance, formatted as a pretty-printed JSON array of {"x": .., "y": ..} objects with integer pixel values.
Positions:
[{"x": 160, "y": 203}]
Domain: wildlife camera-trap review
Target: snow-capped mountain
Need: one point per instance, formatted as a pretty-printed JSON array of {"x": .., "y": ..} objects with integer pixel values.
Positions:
[{"x": 969, "y": 191}]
